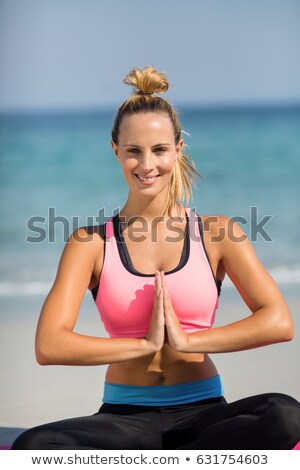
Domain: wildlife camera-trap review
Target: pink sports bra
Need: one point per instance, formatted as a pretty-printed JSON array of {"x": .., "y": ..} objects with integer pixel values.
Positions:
[{"x": 124, "y": 296}]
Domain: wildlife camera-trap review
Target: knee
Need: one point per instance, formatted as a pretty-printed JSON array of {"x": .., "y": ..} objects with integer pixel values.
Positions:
[
  {"x": 284, "y": 406},
  {"x": 284, "y": 417},
  {"x": 36, "y": 438}
]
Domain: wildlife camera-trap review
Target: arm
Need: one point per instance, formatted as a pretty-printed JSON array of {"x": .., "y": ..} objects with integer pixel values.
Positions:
[
  {"x": 270, "y": 320},
  {"x": 56, "y": 342}
]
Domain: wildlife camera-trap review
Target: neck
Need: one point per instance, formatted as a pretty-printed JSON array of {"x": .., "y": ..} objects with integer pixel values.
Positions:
[{"x": 147, "y": 208}]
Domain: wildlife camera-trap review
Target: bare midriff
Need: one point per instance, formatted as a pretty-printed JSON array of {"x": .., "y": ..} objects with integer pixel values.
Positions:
[{"x": 166, "y": 367}]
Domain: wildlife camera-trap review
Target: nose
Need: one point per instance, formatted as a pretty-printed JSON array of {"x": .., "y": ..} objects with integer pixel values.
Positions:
[{"x": 147, "y": 162}]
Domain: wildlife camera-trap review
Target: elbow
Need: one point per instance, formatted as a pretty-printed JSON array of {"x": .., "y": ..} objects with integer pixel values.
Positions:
[
  {"x": 284, "y": 328},
  {"x": 51, "y": 348},
  {"x": 42, "y": 358},
  {"x": 44, "y": 352},
  {"x": 278, "y": 326},
  {"x": 288, "y": 332}
]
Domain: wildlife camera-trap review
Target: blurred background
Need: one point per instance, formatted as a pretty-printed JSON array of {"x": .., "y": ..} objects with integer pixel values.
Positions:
[{"x": 234, "y": 74}]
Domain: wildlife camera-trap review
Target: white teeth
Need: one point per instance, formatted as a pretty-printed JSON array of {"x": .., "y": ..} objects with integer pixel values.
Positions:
[{"x": 147, "y": 179}]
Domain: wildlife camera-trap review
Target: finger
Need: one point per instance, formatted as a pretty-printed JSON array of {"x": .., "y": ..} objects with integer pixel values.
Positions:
[
  {"x": 157, "y": 290},
  {"x": 158, "y": 310},
  {"x": 164, "y": 284},
  {"x": 161, "y": 301},
  {"x": 163, "y": 280},
  {"x": 157, "y": 282},
  {"x": 166, "y": 300},
  {"x": 162, "y": 309},
  {"x": 165, "y": 288}
]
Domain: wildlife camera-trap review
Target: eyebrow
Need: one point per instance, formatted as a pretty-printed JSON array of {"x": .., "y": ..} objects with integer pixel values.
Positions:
[{"x": 135, "y": 145}]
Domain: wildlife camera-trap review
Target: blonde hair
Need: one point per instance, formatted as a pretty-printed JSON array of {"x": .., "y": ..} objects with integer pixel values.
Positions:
[{"x": 146, "y": 82}]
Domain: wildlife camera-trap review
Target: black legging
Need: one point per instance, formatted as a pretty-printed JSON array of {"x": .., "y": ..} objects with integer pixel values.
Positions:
[{"x": 268, "y": 421}]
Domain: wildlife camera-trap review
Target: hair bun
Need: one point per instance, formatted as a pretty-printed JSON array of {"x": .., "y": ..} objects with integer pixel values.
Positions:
[{"x": 147, "y": 81}]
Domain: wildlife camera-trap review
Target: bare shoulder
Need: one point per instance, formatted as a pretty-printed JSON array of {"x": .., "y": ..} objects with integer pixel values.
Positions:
[
  {"x": 227, "y": 237},
  {"x": 86, "y": 240},
  {"x": 222, "y": 236},
  {"x": 82, "y": 254},
  {"x": 222, "y": 233},
  {"x": 223, "y": 229},
  {"x": 91, "y": 234}
]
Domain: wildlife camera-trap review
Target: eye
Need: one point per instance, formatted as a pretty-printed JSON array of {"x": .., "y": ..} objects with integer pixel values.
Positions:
[
  {"x": 133, "y": 150},
  {"x": 160, "y": 149}
]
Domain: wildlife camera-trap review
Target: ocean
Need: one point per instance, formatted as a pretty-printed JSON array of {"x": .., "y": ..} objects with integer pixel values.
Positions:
[{"x": 58, "y": 172}]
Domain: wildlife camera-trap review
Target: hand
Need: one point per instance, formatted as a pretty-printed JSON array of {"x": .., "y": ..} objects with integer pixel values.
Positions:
[
  {"x": 176, "y": 337},
  {"x": 156, "y": 332}
]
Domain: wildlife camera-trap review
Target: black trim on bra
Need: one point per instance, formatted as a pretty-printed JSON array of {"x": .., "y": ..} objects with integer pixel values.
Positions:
[
  {"x": 95, "y": 289},
  {"x": 125, "y": 257},
  {"x": 94, "y": 292},
  {"x": 217, "y": 281}
]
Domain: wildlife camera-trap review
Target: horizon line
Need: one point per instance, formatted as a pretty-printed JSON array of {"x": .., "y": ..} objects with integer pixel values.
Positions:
[{"x": 212, "y": 106}]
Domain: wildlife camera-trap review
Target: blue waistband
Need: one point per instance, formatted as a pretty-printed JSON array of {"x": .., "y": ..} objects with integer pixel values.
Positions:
[{"x": 160, "y": 395}]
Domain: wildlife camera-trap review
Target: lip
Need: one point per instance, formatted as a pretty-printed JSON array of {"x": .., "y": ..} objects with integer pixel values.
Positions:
[{"x": 147, "y": 180}]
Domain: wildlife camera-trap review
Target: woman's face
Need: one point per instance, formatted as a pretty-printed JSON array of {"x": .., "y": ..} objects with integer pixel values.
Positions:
[{"x": 147, "y": 152}]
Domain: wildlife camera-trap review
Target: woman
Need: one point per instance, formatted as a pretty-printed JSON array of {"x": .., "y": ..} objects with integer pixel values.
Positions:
[{"x": 155, "y": 271}]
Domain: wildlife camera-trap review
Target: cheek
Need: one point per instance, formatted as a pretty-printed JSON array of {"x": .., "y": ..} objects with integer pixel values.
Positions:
[
  {"x": 128, "y": 164},
  {"x": 167, "y": 162}
]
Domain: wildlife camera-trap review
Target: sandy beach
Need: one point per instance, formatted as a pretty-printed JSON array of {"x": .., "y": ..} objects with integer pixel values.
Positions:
[{"x": 31, "y": 394}]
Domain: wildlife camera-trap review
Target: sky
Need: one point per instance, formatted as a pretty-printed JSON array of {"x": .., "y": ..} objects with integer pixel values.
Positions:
[{"x": 69, "y": 54}]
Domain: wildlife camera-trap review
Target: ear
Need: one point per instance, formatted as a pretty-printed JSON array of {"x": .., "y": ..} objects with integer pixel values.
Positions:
[
  {"x": 179, "y": 147},
  {"x": 115, "y": 149}
]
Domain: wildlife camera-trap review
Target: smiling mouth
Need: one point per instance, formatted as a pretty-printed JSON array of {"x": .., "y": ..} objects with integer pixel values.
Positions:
[{"x": 147, "y": 180}]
